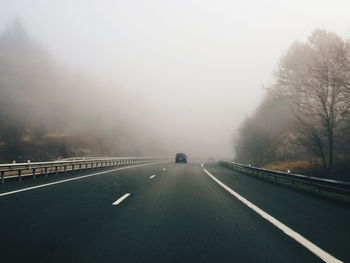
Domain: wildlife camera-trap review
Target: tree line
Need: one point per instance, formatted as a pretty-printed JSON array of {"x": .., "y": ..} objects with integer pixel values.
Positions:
[
  {"x": 305, "y": 115},
  {"x": 48, "y": 111}
]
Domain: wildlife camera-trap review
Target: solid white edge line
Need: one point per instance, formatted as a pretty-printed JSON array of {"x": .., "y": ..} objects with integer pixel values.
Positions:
[
  {"x": 73, "y": 179},
  {"x": 152, "y": 176},
  {"x": 117, "y": 202},
  {"x": 288, "y": 231}
]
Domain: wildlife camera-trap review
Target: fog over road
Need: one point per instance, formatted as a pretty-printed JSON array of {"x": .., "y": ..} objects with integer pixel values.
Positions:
[
  {"x": 190, "y": 70},
  {"x": 167, "y": 213}
]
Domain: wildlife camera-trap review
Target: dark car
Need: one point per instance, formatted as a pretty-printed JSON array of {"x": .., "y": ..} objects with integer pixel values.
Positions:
[{"x": 181, "y": 158}]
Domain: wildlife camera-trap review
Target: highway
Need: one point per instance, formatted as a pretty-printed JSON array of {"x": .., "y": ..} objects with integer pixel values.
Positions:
[{"x": 168, "y": 212}]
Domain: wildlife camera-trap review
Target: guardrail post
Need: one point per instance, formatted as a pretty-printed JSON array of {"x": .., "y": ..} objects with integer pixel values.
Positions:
[
  {"x": 33, "y": 172},
  {"x": 56, "y": 170},
  {"x": 65, "y": 169},
  {"x": 2, "y": 177},
  {"x": 46, "y": 175},
  {"x": 79, "y": 167},
  {"x": 20, "y": 175},
  {"x": 72, "y": 168}
]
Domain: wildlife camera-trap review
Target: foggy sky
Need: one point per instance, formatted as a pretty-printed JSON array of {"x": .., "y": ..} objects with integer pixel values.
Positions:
[{"x": 193, "y": 70}]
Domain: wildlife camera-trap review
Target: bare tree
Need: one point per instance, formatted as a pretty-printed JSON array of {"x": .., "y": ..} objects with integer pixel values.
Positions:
[{"x": 315, "y": 78}]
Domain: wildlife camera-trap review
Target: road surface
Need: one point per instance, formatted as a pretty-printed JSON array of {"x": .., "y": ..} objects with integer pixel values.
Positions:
[{"x": 168, "y": 213}]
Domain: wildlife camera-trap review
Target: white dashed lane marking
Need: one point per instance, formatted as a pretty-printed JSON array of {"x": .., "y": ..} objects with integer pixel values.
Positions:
[{"x": 121, "y": 199}]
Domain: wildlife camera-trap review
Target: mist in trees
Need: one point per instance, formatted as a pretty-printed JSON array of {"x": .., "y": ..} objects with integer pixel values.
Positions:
[
  {"x": 48, "y": 111},
  {"x": 311, "y": 93},
  {"x": 315, "y": 77},
  {"x": 265, "y": 136}
]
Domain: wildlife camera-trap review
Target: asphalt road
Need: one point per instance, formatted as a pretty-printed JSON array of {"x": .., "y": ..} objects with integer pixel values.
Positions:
[{"x": 167, "y": 213}]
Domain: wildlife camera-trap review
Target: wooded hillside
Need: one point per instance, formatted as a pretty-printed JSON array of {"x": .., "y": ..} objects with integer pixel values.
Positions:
[{"x": 305, "y": 116}]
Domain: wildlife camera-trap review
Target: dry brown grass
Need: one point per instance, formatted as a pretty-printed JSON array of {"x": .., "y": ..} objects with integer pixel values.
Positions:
[
  {"x": 26, "y": 139},
  {"x": 56, "y": 135},
  {"x": 285, "y": 166}
]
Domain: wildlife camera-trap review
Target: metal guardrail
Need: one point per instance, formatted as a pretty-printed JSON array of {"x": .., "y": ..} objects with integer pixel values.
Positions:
[
  {"x": 329, "y": 185},
  {"x": 78, "y": 164}
]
